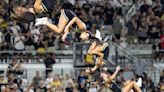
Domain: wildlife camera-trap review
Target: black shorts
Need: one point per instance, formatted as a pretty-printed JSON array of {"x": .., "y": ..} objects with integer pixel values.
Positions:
[
  {"x": 69, "y": 15},
  {"x": 114, "y": 87},
  {"x": 48, "y": 5}
]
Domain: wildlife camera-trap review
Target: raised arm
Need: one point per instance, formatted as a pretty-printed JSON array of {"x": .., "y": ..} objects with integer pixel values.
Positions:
[
  {"x": 38, "y": 6},
  {"x": 113, "y": 76}
]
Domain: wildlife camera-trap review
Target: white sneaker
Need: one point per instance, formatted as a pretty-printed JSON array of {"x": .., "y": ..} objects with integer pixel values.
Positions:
[
  {"x": 98, "y": 35},
  {"x": 41, "y": 21},
  {"x": 139, "y": 82}
]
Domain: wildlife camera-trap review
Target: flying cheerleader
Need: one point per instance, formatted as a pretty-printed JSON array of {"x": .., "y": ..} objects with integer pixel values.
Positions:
[{"x": 66, "y": 20}]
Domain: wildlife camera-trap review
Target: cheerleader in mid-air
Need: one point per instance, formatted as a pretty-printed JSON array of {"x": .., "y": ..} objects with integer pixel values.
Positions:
[
  {"x": 66, "y": 20},
  {"x": 98, "y": 48}
]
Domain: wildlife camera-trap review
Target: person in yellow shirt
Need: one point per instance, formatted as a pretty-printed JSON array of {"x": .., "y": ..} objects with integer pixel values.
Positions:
[
  {"x": 2, "y": 80},
  {"x": 56, "y": 82}
]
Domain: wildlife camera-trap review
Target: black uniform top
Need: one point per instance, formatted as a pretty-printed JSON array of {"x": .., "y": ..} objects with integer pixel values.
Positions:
[{"x": 114, "y": 87}]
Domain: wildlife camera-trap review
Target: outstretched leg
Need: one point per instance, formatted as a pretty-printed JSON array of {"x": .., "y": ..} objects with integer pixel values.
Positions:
[
  {"x": 59, "y": 29},
  {"x": 80, "y": 24},
  {"x": 61, "y": 24}
]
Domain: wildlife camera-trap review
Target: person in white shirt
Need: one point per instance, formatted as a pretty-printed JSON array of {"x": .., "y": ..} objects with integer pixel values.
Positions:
[{"x": 19, "y": 44}]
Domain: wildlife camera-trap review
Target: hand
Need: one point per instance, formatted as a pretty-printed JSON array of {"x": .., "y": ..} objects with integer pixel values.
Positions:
[
  {"x": 63, "y": 38},
  {"x": 118, "y": 68},
  {"x": 66, "y": 30}
]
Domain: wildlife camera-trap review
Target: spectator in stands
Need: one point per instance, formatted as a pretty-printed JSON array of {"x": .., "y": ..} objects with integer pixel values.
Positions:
[
  {"x": 15, "y": 28},
  {"x": 35, "y": 32},
  {"x": 82, "y": 81},
  {"x": 23, "y": 83},
  {"x": 87, "y": 6},
  {"x": 154, "y": 30},
  {"x": 142, "y": 31},
  {"x": 3, "y": 83},
  {"x": 157, "y": 8},
  {"x": 50, "y": 38},
  {"x": 49, "y": 80},
  {"x": 99, "y": 9},
  {"x": 139, "y": 68},
  {"x": 29, "y": 88},
  {"x": 19, "y": 43},
  {"x": 131, "y": 30},
  {"x": 93, "y": 87},
  {"x": 128, "y": 74},
  {"x": 56, "y": 83},
  {"x": 4, "y": 47},
  {"x": 41, "y": 43},
  {"x": 117, "y": 28},
  {"x": 30, "y": 34},
  {"x": 7, "y": 37},
  {"x": 12, "y": 79},
  {"x": 69, "y": 88},
  {"x": 144, "y": 7},
  {"x": 49, "y": 61},
  {"x": 12, "y": 66},
  {"x": 36, "y": 80},
  {"x": 109, "y": 12},
  {"x": 97, "y": 20},
  {"x": 68, "y": 80},
  {"x": 14, "y": 88}
]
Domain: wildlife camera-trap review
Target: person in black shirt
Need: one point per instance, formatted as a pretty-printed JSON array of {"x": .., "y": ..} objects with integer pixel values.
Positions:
[
  {"x": 144, "y": 7},
  {"x": 99, "y": 9},
  {"x": 109, "y": 12},
  {"x": 87, "y": 6},
  {"x": 49, "y": 61}
]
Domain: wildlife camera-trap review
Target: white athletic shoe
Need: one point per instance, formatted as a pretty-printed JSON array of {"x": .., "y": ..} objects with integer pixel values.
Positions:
[
  {"x": 98, "y": 35},
  {"x": 41, "y": 21},
  {"x": 139, "y": 82}
]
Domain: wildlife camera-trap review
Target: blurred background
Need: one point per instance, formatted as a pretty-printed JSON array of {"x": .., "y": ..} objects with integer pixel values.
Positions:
[{"x": 33, "y": 59}]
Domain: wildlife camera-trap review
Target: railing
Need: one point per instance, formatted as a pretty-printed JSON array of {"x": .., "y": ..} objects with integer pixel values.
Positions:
[
  {"x": 30, "y": 72},
  {"x": 130, "y": 13},
  {"x": 34, "y": 55},
  {"x": 126, "y": 53},
  {"x": 134, "y": 8},
  {"x": 126, "y": 57}
]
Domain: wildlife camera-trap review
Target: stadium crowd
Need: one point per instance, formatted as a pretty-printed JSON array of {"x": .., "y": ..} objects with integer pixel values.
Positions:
[
  {"x": 17, "y": 82},
  {"x": 145, "y": 27}
]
